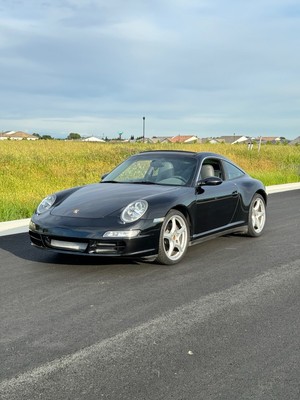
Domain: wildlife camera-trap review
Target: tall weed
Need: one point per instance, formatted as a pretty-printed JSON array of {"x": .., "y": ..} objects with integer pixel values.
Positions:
[{"x": 31, "y": 170}]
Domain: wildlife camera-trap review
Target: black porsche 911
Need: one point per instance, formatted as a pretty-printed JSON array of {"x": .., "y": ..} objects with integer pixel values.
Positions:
[{"x": 152, "y": 206}]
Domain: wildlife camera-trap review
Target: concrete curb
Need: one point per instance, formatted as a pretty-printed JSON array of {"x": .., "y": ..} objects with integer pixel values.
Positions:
[
  {"x": 21, "y": 225},
  {"x": 283, "y": 188},
  {"x": 14, "y": 227}
]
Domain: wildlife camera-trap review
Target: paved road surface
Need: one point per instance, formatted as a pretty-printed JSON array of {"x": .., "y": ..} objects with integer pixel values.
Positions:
[{"x": 223, "y": 324}]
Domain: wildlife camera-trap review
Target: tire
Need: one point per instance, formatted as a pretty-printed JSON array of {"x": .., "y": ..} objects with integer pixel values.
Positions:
[
  {"x": 257, "y": 216},
  {"x": 174, "y": 238}
]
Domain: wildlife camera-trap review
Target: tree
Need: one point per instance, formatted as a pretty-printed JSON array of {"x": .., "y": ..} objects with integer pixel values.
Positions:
[{"x": 73, "y": 136}]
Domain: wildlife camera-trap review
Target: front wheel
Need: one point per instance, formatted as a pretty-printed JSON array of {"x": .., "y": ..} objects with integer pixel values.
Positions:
[
  {"x": 257, "y": 216},
  {"x": 174, "y": 238}
]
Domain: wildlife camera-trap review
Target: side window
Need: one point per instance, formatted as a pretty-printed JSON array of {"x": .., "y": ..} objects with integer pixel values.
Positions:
[
  {"x": 232, "y": 171},
  {"x": 211, "y": 167}
]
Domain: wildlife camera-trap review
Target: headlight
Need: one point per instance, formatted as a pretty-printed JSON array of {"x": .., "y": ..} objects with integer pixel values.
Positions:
[
  {"x": 134, "y": 211},
  {"x": 46, "y": 204}
]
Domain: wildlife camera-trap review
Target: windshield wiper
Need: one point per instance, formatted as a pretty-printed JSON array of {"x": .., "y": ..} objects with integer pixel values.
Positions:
[
  {"x": 144, "y": 183},
  {"x": 134, "y": 182}
]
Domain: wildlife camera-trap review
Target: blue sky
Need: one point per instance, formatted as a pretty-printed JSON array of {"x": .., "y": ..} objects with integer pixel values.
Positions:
[{"x": 203, "y": 67}]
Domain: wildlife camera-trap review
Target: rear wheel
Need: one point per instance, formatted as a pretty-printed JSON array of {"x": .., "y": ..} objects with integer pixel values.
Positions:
[
  {"x": 174, "y": 238},
  {"x": 257, "y": 216}
]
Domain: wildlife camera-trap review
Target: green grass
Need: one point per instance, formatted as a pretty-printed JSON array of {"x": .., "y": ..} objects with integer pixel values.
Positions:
[{"x": 31, "y": 170}]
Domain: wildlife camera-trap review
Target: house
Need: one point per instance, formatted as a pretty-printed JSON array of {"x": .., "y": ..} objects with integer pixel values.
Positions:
[
  {"x": 160, "y": 139},
  {"x": 93, "y": 139},
  {"x": 235, "y": 139},
  {"x": 19, "y": 135},
  {"x": 295, "y": 141},
  {"x": 243, "y": 139},
  {"x": 184, "y": 139},
  {"x": 210, "y": 140},
  {"x": 269, "y": 139},
  {"x": 144, "y": 140}
]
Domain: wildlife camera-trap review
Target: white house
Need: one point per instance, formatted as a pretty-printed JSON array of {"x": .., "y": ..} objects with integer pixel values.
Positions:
[
  {"x": 17, "y": 136},
  {"x": 93, "y": 139}
]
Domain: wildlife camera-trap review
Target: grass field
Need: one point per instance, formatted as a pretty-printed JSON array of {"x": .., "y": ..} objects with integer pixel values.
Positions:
[{"x": 31, "y": 170}]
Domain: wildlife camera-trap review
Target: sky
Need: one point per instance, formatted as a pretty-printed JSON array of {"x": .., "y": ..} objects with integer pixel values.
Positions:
[{"x": 190, "y": 67}]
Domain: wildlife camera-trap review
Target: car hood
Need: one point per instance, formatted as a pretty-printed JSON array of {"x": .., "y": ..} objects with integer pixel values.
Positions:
[{"x": 103, "y": 199}]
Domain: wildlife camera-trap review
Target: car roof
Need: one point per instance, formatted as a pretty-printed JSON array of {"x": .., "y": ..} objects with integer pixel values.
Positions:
[
  {"x": 168, "y": 152},
  {"x": 202, "y": 154}
]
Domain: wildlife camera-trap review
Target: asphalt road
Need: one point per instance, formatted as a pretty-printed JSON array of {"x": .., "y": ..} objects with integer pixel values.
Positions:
[{"x": 223, "y": 324}]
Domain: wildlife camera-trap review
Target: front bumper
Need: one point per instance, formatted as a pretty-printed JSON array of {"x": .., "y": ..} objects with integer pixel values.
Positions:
[{"x": 74, "y": 239}]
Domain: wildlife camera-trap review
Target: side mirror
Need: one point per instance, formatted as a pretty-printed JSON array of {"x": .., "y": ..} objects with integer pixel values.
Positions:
[{"x": 211, "y": 181}]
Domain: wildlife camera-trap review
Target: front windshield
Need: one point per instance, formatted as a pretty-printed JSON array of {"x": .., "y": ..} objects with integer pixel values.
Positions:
[{"x": 155, "y": 169}]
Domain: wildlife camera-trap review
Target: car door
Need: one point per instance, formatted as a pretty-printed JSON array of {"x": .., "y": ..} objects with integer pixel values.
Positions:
[{"x": 215, "y": 204}]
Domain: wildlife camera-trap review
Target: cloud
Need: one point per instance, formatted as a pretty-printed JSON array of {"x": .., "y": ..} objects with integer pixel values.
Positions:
[{"x": 190, "y": 66}]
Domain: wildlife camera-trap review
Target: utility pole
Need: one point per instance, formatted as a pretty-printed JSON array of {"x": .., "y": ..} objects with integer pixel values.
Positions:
[{"x": 144, "y": 129}]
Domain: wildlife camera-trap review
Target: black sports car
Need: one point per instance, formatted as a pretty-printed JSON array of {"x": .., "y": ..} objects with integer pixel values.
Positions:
[{"x": 152, "y": 206}]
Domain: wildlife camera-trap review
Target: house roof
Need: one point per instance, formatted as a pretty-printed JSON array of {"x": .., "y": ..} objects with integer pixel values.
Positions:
[
  {"x": 183, "y": 138},
  {"x": 158, "y": 139},
  {"x": 92, "y": 139},
  {"x": 18, "y": 134},
  {"x": 295, "y": 141},
  {"x": 269, "y": 138},
  {"x": 229, "y": 139},
  {"x": 210, "y": 140}
]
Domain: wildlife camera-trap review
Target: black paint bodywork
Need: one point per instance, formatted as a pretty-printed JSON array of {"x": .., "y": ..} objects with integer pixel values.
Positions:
[{"x": 212, "y": 208}]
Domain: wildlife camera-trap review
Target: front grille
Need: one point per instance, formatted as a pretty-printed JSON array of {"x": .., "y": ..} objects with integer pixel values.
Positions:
[
  {"x": 36, "y": 239},
  {"x": 103, "y": 247},
  {"x": 78, "y": 245}
]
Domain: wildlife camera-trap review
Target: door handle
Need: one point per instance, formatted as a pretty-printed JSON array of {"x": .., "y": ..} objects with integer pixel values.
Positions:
[{"x": 235, "y": 193}]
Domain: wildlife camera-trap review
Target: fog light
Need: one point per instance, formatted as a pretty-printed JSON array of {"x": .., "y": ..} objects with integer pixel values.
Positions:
[{"x": 121, "y": 234}]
